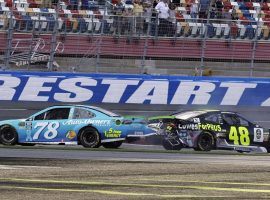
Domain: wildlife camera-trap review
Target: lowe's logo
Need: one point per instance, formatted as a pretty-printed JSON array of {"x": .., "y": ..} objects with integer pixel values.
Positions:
[{"x": 71, "y": 88}]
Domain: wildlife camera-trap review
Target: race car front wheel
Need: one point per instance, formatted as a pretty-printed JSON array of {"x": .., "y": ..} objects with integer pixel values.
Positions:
[
  {"x": 8, "y": 135},
  {"x": 112, "y": 145},
  {"x": 205, "y": 142},
  {"x": 89, "y": 138},
  {"x": 168, "y": 145}
]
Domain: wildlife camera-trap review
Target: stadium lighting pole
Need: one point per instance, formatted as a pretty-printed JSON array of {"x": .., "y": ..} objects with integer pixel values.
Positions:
[
  {"x": 204, "y": 43},
  {"x": 254, "y": 47},
  {"x": 9, "y": 39},
  {"x": 53, "y": 40}
]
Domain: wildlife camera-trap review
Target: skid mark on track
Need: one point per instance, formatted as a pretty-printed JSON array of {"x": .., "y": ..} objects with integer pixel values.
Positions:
[{"x": 245, "y": 190}]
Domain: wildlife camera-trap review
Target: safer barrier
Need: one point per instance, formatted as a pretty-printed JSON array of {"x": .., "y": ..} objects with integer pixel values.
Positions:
[{"x": 133, "y": 89}]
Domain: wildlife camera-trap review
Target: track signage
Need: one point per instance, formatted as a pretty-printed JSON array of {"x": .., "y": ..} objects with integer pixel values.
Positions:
[{"x": 133, "y": 89}]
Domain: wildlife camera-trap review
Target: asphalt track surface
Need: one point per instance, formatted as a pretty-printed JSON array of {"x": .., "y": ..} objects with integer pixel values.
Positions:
[{"x": 139, "y": 153}]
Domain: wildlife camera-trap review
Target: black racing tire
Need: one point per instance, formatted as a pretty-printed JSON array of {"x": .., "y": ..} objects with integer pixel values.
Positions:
[
  {"x": 89, "y": 138},
  {"x": 197, "y": 149},
  {"x": 8, "y": 135},
  {"x": 205, "y": 142},
  {"x": 168, "y": 146},
  {"x": 112, "y": 145}
]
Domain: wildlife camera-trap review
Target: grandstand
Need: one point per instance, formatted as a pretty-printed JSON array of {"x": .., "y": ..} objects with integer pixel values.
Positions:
[{"x": 228, "y": 39}]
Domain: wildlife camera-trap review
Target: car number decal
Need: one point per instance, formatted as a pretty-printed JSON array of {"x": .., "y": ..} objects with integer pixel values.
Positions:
[
  {"x": 51, "y": 133},
  {"x": 242, "y": 132}
]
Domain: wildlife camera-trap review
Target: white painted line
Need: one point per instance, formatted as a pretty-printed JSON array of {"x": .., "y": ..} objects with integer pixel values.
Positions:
[
  {"x": 26, "y": 166},
  {"x": 7, "y": 109}
]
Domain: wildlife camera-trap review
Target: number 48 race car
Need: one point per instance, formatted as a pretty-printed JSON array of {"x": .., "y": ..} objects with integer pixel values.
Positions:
[{"x": 205, "y": 130}]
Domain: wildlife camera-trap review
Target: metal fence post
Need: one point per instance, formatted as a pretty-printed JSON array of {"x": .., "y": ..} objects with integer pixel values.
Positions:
[
  {"x": 100, "y": 41},
  {"x": 145, "y": 48},
  {"x": 9, "y": 40},
  {"x": 53, "y": 40},
  {"x": 204, "y": 44},
  {"x": 254, "y": 46}
]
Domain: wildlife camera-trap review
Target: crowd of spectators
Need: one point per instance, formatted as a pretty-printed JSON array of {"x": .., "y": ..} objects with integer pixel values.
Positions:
[{"x": 155, "y": 17}]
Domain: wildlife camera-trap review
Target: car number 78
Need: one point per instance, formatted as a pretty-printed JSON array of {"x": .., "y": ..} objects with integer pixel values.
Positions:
[{"x": 51, "y": 133}]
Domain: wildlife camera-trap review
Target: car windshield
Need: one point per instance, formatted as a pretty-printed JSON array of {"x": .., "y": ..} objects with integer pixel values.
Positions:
[{"x": 188, "y": 114}]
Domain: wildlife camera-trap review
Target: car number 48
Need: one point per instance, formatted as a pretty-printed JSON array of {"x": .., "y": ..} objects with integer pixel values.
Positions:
[
  {"x": 240, "y": 136},
  {"x": 51, "y": 132}
]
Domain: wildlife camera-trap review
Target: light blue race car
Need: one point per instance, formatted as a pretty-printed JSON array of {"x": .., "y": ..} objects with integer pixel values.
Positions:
[{"x": 88, "y": 126}]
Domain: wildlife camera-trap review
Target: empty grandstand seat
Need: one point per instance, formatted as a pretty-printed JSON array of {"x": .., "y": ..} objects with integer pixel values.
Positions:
[
  {"x": 242, "y": 32},
  {"x": 194, "y": 29}
]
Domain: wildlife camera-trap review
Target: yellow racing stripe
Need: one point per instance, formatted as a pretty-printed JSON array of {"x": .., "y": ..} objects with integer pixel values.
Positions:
[{"x": 109, "y": 192}]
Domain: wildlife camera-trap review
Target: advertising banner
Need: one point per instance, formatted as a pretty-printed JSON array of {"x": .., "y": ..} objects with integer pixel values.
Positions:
[{"x": 133, "y": 89}]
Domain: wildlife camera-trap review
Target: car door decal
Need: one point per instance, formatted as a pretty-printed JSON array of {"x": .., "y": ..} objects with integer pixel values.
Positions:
[
  {"x": 258, "y": 135},
  {"x": 51, "y": 132},
  {"x": 239, "y": 135}
]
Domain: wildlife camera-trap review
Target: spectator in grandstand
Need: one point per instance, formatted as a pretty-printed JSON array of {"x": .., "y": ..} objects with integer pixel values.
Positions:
[
  {"x": 227, "y": 15},
  {"x": 73, "y": 5},
  {"x": 47, "y": 3},
  {"x": 203, "y": 8},
  {"x": 127, "y": 20},
  {"x": 138, "y": 12},
  {"x": 212, "y": 11},
  {"x": 85, "y": 5},
  {"x": 219, "y": 7},
  {"x": 118, "y": 10},
  {"x": 234, "y": 14},
  {"x": 147, "y": 13},
  {"x": 234, "y": 30},
  {"x": 193, "y": 10},
  {"x": 171, "y": 20},
  {"x": 163, "y": 15}
]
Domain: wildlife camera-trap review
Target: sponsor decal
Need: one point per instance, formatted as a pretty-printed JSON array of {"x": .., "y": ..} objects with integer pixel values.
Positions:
[
  {"x": 71, "y": 134},
  {"x": 138, "y": 133},
  {"x": 112, "y": 133},
  {"x": 189, "y": 126},
  {"x": 209, "y": 127},
  {"x": 96, "y": 122},
  {"x": 128, "y": 89},
  {"x": 258, "y": 135}
]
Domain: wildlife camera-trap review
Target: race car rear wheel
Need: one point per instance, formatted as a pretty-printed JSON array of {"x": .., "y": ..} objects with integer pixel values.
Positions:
[
  {"x": 169, "y": 146},
  {"x": 205, "y": 142},
  {"x": 8, "y": 135},
  {"x": 89, "y": 138},
  {"x": 112, "y": 145}
]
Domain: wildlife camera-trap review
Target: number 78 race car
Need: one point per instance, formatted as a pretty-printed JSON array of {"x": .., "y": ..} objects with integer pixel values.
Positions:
[
  {"x": 76, "y": 124},
  {"x": 204, "y": 130}
]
